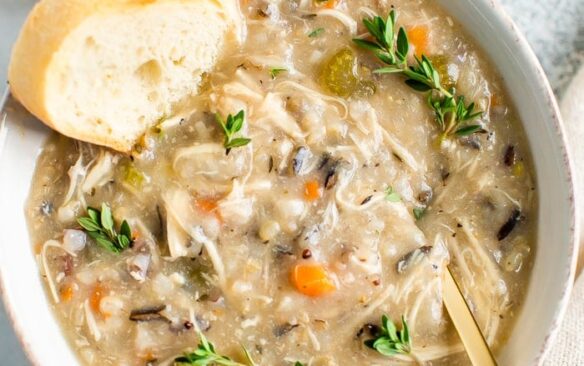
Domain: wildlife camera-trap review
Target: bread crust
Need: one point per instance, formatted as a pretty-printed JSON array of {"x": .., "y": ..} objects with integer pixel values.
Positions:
[{"x": 45, "y": 30}]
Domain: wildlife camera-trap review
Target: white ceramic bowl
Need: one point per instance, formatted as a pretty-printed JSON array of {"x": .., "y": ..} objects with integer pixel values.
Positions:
[{"x": 21, "y": 137}]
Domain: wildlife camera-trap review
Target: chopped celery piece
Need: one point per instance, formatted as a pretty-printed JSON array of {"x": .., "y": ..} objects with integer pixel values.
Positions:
[
  {"x": 133, "y": 176},
  {"x": 338, "y": 74}
]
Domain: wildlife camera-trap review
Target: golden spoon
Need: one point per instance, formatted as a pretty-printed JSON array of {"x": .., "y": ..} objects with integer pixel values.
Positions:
[{"x": 473, "y": 340}]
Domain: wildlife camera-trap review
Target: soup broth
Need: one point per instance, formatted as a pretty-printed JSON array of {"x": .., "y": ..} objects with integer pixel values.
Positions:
[{"x": 346, "y": 204}]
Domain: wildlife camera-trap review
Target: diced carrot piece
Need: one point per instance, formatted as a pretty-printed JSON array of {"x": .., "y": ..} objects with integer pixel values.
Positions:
[
  {"x": 38, "y": 248},
  {"x": 328, "y": 4},
  {"x": 66, "y": 293},
  {"x": 206, "y": 205},
  {"x": 97, "y": 294},
  {"x": 209, "y": 206},
  {"x": 148, "y": 355},
  {"x": 418, "y": 36},
  {"x": 331, "y": 4},
  {"x": 312, "y": 190},
  {"x": 311, "y": 280}
]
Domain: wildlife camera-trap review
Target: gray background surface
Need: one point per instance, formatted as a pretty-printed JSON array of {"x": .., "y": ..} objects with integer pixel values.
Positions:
[{"x": 554, "y": 28}]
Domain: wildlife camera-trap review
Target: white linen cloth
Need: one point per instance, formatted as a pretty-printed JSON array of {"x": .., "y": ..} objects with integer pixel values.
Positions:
[{"x": 568, "y": 349}]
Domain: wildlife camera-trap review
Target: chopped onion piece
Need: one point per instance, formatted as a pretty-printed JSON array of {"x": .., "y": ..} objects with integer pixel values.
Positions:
[
  {"x": 138, "y": 266},
  {"x": 74, "y": 240}
]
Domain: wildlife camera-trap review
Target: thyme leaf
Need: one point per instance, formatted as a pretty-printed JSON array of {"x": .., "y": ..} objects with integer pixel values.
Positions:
[
  {"x": 391, "y": 341},
  {"x": 205, "y": 355},
  {"x": 275, "y": 71},
  {"x": 419, "y": 212},
  {"x": 452, "y": 114},
  {"x": 315, "y": 33},
  {"x": 230, "y": 126},
  {"x": 99, "y": 225}
]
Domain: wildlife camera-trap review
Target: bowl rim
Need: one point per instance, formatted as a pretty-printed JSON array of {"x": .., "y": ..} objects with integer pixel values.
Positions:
[
  {"x": 529, "y": 56},
  {"x": 568, "y": 167},
  {"x": 8, "y": 306}
]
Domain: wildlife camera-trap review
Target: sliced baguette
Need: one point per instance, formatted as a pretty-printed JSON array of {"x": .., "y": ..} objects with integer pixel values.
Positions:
[{"x": 104, "y": 71}]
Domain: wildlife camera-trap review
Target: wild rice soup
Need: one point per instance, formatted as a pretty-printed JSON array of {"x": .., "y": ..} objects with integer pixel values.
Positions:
[{"x": 302, "y": 198}]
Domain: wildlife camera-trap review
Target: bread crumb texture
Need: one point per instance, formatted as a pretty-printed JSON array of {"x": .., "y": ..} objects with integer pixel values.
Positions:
[{"x": 106, "y": 71}]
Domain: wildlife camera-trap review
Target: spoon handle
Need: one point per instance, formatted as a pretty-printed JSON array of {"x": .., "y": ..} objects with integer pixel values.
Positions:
[{"x": 475, "y": 344}]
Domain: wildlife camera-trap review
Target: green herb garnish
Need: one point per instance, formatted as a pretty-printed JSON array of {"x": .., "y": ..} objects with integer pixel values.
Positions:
[
  {"x": 230, "y": 127},
  {"x": 419, "y": 212},
  {"x": 453, "y": 116},
  {"x": 275, "y": 71},
  {"x": 100, "y": 226},
  {"x": 315, "y": 33},
  {"x": 205, "y": 355},
  {"x": 298, "y": 363},
  {"x": 391, "y": 195},
  {"x": 391, "y": 341}
]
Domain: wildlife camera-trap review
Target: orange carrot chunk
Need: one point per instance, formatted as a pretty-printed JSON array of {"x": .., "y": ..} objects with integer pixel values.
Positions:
[
  {"x": 209, "y": 206},
  {"x": 312, "y": 190},
  {"x": 328, "y": 4},
  {"x": 97, "y": 294},
  {"x": 418, "y": 36},
  {"x": 66, "y": 293},
  {"x": 331, "y": 4},
  {"x": 311, "y": 280}
]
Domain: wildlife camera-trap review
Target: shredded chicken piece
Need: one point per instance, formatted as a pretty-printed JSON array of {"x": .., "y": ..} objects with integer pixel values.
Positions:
[
  {"x": 51, "y": 282},
  {"x": 349, "y": 22},
  {"x": 77, "y": 175},
  {"x": 181, "y": 217},
  {"x": 493, "y": 298},
  {"x": 177, "y": 238},
  {"x": 308, "y": 92},
  {"x": 367, "y": 11},
  {"x": 401, "y": 151},
  {"x": 198, "y": 234},
  {"x": 101, "y": 172},
  {"x": 236, "y": 208},
  {"x": 272, "y": 110}
]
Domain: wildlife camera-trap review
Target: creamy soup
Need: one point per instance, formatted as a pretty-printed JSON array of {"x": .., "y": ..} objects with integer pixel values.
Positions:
[{"x": 302, "y": 197}]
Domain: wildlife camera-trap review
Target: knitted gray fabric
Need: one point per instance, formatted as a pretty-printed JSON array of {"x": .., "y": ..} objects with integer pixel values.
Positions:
[{"x": 568, "y": 349}]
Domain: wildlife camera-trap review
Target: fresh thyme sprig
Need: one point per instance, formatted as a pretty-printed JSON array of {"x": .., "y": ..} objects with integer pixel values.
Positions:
[
  {"x": 275, "y": 71},
  {"x": 391, "y": 341},
  {"x": 419, "y": 212},
  {"x": 453, "y": 116},
  {"x": 100, "y": 226},
  {"x": 231, "y": 126},
  {"x": 205, "y": 355}
]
